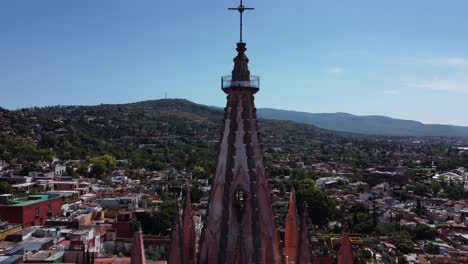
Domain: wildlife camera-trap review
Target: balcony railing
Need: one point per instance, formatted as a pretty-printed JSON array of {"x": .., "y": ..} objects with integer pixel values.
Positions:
[{"x": 227, "y": 82}]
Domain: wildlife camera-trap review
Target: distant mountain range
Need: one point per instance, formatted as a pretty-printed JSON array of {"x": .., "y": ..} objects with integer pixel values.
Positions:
[
  {"x": 186, "y": 110},
  {"x": 370, "y": 125}
]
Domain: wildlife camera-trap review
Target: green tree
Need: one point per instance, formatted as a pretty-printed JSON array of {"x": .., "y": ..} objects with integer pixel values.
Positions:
[
  {"x": 310, "y": 183},
  {"x": 106, "y": 160},
  {"x": 402, "y": 260},
  {"x": 30, "y": 168},
  {"x": 432, "y": 249},
  {"x": 421, "y": 188},
  {"x": 161, "y": 221},
  {"x": 454, "y": 191},
  {"x": 156, "y": 165},
  {"x": 199, "y": 172},
  {"x": 97, "y": 170},
  {"x": 82, "y": 168},
  {"x": 362, "y": 223},
  {"x": 195, "y": 194},
  {"x": 405, "y": 245},
  {"x": 5, "y": 188},
  {"x": 386, "y": 228},
  {"x": 320, "y": 206},
  {"x": 419, "y": 209},
  {"x": 436, "y": 187},
  {"x": 424, "y": 232}
]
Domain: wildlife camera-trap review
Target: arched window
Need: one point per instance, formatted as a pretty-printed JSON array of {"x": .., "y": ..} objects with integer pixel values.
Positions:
[{"x": 239, "y": 203}]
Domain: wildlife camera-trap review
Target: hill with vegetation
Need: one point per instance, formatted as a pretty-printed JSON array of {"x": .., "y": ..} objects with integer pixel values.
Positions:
[
  {"x": 173, "y": 131},
  {"x": 369, "y": 125},
  {"x": 180, "y": 133}
]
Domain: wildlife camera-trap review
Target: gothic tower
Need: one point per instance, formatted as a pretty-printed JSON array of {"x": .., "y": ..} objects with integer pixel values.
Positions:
[
  {"x": 291, "y": 232},
  {"x": 296, "y": 235},
  {"x": 304, "y": 255},
  {"x": 240, "y": 225},
  {"x": 138, "y": 248},
  {"x": 183, "y": 238},
  {"x": 345, "y": 256}
]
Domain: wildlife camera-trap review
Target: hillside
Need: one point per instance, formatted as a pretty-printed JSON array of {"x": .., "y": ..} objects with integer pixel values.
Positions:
[
  {"x": 152, "y": 134},
  {"x": 171, "y": 131},
  {"x": 370, "y": 125}
]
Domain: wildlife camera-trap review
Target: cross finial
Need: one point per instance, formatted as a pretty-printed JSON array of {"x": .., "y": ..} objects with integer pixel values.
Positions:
[{"x": 241, "y": 8}]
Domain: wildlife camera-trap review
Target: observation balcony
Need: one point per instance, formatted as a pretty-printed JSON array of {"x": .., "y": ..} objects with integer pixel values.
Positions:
[{"x": 228, "y": 83}]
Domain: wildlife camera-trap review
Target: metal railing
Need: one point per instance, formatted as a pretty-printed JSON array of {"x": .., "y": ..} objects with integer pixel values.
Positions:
[{"x": 227, "y": 82}]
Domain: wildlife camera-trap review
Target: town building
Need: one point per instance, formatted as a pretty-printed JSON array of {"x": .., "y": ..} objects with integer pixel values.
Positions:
[{"x": 31, "y": 210}]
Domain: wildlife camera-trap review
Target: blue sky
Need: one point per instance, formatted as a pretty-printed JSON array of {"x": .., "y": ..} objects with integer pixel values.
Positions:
[{"x": 400, "y": 58}]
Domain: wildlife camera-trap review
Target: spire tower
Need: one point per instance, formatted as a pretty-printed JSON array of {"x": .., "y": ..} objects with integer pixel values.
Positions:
[
  {"x": 291, "y": 232},
  {"x": 188, "y": 232},
  {"x": 305, "y": 256},
  {"x": 138, "y": 248},
  {"x": 183, "y": 238},
  {"x": 345, "y": 256},
  {"x": 240, "y": 225},
  {"x": 177, "y": 241}
]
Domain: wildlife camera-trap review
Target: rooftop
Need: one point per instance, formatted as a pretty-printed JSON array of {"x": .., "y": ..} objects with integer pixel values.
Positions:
[{"x": 32, "y": 199}]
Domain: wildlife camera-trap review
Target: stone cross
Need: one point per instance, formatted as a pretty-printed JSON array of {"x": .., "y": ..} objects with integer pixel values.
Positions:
[{"x": 241, "y": 8}]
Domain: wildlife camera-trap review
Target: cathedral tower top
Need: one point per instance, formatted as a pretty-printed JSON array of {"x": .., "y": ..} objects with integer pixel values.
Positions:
[{"x": 240, "y": 78}]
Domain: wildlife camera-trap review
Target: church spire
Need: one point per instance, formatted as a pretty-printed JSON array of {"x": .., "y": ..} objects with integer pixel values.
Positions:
[
  {"x": 138, "y": 248},
  {"x": 188, "y": 232},
  {"x": 345, "y": 256},
  {"x": 305, "y": 256},
  {"x": 183, "y": 239},
  {"x": 291, "y": 232},
  {"x": 241, "y": 71},
  {"x": 240, "y": 225},
  {"x": 176, "y": 250}
]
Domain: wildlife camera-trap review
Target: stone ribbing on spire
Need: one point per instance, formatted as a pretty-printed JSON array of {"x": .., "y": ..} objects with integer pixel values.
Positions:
[
  {"x": 345, "y": 256},
  {"x": 291, "y": 232},
  {"x": 240, "y": 226},
  {"x": 138, "y": 249}
]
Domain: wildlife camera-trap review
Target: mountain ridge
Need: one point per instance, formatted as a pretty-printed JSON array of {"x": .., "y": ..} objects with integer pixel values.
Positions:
[
  {"x": 368, "y": 125},
  {"x": 339, "y": 121}
]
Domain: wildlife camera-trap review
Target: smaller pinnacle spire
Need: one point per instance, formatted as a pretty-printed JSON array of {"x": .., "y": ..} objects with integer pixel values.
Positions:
[
  {"x": 183, "y": 238},
  {"x": 305, "y": 255},
  {"x": 345, "y": 256},
  {"x": 188, "y": 231},
  {"x": 138, "y": 249},
  {"x": 292, "y": 235},
  {"x": 176, "y": 255}
]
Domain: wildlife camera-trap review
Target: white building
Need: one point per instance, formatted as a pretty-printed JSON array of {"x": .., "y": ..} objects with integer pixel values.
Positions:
[
  {"x": 328, "y": 181},
  {"x": 448, "y": 177}
]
